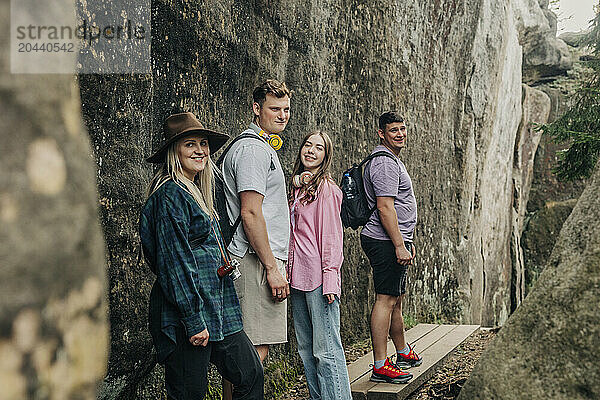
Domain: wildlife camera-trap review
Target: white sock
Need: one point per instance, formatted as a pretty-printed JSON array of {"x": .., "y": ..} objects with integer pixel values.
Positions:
[
  {"x": 405, "y": 350},
  {"x": 379, "y": 363}
]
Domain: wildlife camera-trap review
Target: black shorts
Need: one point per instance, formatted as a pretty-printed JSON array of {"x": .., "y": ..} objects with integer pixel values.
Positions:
[{"x": 389, "y": 277}]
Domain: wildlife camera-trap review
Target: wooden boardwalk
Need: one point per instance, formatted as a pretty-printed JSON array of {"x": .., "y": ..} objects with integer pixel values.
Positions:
[{"x": 433, "y": 342}]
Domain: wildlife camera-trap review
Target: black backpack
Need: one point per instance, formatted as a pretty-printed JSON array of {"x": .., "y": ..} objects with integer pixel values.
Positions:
[
  {"x": 355, "y": 207},
  {"x": 227, "y": 229}
]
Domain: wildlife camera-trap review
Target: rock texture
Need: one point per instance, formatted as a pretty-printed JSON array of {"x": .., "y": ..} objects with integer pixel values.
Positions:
[
  {"x": 540, "y": 236},
  {"x": 452, "y": 67},
  {"x": 491, "y": 118},
  {"x": 560, "y": 316},
  {"x": 573, "y": 38},
  {"x": 550, "y": 201},
  {"x": 543, "y": 54},
  {"x": 536, "y": 109},
  {"x": 53, "y": 328}
]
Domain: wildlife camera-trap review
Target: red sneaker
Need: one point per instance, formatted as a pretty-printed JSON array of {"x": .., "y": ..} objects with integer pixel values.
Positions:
[
  {"x": 411, "y": 359},
  {"x": 390, "y": 373}
]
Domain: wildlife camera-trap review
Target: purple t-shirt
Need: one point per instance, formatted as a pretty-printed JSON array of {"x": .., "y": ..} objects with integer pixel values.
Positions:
[{"x": 385, "y": 177}]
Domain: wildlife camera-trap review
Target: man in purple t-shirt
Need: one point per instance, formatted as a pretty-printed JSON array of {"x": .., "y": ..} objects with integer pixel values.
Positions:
[{"x": 387, "y": 240}]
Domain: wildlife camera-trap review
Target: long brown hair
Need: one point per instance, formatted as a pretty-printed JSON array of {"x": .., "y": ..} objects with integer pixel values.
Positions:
[{"x": 310, "y": 190}]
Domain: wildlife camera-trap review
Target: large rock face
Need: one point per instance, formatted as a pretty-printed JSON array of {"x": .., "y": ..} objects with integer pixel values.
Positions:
[
  {"x": 453, "y": 68},
  {"x": 53, "y": 328},
  {"x": 548, "y": 348},
  {"x": 485, "y": 148}
]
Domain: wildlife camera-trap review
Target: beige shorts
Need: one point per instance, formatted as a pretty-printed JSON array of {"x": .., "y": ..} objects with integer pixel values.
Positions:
[{"x": 265, "y": 320}]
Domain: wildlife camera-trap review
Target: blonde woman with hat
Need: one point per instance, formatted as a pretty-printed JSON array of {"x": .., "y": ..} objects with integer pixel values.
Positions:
[{"x": 194, "y": 314}]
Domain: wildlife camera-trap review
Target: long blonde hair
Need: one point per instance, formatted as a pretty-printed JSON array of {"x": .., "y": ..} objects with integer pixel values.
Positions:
[
  {"x": 310, "y": 190},
  {"x": 201, "y": 189}
]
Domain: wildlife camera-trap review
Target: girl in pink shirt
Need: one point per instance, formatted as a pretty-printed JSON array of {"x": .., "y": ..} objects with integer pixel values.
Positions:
[{"x": 314, "y": 262}]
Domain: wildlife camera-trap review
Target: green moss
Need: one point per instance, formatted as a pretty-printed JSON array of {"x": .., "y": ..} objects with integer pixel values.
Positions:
[
  {"x": 430, "y": 316},
  {"x": 215, "y": 385},
  {"x": 409, "y": 321},
  {"x": 540, "y": 236},
  {"x": 280, "y": 376},
  {"x": 214, "y": 392}
]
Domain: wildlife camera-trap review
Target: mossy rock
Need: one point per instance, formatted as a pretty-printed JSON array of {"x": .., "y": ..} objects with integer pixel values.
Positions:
[
  {"x": 540, "y": 235},
  {"x": 548, "y": 347}
]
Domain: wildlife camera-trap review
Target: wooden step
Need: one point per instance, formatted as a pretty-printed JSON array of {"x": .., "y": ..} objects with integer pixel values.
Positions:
[{"x": 432, "y": 342}]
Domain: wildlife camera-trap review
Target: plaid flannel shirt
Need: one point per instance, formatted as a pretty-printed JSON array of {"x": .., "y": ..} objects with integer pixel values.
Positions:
[{"x": 181, "y": 247}]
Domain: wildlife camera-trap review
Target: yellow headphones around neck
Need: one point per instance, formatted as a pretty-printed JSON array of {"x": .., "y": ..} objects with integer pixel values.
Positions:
[{"x": 274, "y": 140}]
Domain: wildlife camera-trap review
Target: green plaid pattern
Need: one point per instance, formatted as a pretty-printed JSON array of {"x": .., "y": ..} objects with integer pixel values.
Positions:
[{"x": 180, "y": 244}]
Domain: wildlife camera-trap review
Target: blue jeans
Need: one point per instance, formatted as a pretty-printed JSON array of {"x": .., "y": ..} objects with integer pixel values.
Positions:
[{"x": 317, "y": 326}]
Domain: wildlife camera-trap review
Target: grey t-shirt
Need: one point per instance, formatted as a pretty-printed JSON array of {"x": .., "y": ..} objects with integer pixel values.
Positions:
[
  {"x": 252, "y": 164},
  {"x": 385, "y": 177}
]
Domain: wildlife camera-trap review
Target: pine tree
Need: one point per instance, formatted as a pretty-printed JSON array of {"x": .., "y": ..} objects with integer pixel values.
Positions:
[{"x": 580, "y": 125}]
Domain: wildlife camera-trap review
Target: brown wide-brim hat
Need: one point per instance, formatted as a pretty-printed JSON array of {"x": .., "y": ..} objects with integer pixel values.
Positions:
[{"x": 180, "y": 125}]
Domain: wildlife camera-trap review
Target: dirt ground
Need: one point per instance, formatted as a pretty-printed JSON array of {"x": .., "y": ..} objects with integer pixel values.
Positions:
[{"x": 445, "y": 384}]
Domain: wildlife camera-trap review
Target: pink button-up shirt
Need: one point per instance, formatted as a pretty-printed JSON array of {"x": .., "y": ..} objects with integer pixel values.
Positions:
[{"x": 316, "y": 241}]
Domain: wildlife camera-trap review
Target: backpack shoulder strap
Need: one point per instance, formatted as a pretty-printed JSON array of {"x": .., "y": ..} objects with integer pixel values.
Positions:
[
  {"x": 237, "y": 138},
  {"x": 220, "y": 162},
  {"x": 372, "y": 156},
  {"x": 377, "y": 154}
]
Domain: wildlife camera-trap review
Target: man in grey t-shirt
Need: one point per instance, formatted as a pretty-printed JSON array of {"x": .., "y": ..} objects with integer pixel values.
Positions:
[
  {"x": 387, "y": 240},
  {"x": 255, "y": 189}
]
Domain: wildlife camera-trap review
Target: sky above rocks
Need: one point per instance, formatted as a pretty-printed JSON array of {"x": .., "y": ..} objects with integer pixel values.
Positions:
[{"x": 574, "y": 15}]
